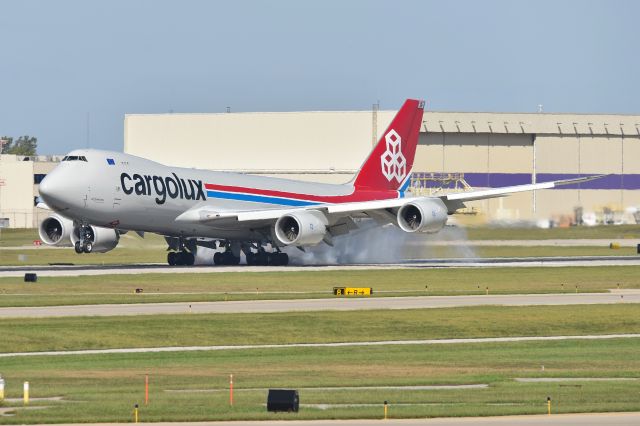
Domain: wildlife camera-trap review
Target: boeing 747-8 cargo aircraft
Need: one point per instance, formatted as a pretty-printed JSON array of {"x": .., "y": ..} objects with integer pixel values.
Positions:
[{"x": 98, "y": 195}]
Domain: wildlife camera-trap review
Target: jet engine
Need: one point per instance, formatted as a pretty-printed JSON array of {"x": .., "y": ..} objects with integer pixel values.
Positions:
[
  {"x": 426, "y": 215},
  {"x": 56, "y": 231},
  {"x": 102, "y": 239},
  {"x": 304, "y": 228}
]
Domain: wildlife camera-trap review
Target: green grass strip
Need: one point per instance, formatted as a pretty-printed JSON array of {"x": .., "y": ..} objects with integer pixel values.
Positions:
[{"x": 74, "y": 333}]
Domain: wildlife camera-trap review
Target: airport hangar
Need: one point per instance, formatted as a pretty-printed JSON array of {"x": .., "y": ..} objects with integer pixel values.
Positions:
[{"x": 456, "y": 149}]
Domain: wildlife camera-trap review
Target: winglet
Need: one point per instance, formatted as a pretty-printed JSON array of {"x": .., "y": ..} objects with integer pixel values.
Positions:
[{"x": 578, "y": 180}]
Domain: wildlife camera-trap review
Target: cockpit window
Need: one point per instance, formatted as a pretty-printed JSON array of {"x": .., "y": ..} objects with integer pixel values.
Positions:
[{"x": 75, "y": 158}]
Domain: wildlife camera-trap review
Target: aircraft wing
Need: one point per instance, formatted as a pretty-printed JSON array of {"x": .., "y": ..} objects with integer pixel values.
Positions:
[
  {"x": 204, "y": 214},
  {"x": 507, "y": 190}
]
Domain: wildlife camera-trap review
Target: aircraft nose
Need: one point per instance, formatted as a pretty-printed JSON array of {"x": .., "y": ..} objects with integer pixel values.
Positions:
[
  {"x": 45, "y": 186},
  {"x": 52, "y": 188}
]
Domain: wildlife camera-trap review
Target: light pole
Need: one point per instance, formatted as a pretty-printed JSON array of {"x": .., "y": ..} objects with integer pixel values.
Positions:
[{"x": 3, "y": 142}]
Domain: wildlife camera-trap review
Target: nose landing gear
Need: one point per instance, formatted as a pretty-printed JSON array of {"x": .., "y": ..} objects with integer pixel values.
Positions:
[{"x": 85, "y": 239}]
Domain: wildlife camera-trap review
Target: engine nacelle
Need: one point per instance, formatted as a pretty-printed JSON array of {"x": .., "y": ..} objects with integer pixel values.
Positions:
[
  {"x": 426, "y": 215},
  {"x": 103, "y": 239},
  {"x": 304, "y": 228},
  {"x": 56, "y": 231}
]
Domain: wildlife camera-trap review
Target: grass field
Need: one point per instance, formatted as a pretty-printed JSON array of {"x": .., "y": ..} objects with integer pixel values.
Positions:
[
  {"x": 105, "y": 388},
  {"x": 200, "y": 287},
  {"x": 100, "y": 388},
  {"x": 74, "y": 333}
]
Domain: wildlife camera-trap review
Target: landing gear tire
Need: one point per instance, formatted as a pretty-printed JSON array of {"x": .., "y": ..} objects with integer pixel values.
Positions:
[
  {"x": 186, "y": 258},
  {"x": 229, "y": 259},
  {"x": 280, "y": 259},
  {"x": 225, "y": 258},
  {"x": 182, "y": 258},
  {"x": 262, "y": 258},
  {"x": 88, "y": 247},
  {"x": 77, "y": 247}
]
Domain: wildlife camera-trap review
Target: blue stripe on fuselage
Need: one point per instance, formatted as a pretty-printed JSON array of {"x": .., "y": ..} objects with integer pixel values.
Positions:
[
  {"x": 404, "y": 187},
  {"x": 258, "y": 198}
]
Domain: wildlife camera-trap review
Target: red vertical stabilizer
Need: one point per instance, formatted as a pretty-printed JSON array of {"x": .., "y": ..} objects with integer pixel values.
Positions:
[{"x": 389, "y": 165}]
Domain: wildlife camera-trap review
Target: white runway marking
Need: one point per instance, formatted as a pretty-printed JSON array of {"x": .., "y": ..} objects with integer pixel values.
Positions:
[{"x": 322, "y": 345}]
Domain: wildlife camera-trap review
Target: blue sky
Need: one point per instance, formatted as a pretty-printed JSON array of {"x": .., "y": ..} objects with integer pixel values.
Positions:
[{"x": 66, "y": 61}]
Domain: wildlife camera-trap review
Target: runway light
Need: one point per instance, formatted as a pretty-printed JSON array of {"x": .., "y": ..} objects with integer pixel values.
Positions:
[
  {"x": 549, "y": 405},
  {"x": 25, "y": 393},
  {"x": 386, "y": 410},
  {"x": 135, "y": 413}
]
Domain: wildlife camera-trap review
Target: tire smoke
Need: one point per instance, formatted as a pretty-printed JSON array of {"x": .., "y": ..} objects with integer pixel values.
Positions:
[{"x": 375, "y": 244}]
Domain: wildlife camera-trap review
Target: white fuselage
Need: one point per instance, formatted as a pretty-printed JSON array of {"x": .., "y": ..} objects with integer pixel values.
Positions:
[{"x": 117, "y": 190}]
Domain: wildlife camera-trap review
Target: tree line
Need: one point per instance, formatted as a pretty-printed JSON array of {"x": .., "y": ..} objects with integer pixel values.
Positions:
[{"x": 24, "y": 145}]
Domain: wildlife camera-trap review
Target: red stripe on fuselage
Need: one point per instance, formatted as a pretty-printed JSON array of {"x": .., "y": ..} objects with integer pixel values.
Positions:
[{"x": 333, "y": 199}]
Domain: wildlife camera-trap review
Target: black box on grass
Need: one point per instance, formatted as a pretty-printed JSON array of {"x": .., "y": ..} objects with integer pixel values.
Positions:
[{"x": 283, "y": 400}]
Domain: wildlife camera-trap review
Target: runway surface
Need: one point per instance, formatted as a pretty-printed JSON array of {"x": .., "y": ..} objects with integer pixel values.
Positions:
[
  {"x": 511, "y": 262},
  {"x": 322, "y": 345},
  {"x": 333, "y": 304},
  {"x": 591, "y": 419}
]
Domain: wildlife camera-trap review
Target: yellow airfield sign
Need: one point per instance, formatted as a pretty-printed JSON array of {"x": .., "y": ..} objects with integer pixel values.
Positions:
[{"x": 352, "y": 291}]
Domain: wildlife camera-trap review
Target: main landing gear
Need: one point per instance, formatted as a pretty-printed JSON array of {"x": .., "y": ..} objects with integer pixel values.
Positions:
[
  {"x": 85, "y": 239},
  {"x": 184, "y": 254},
  {"x": 230, "y": 255},
  {"x": 255, "y": 254}
]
